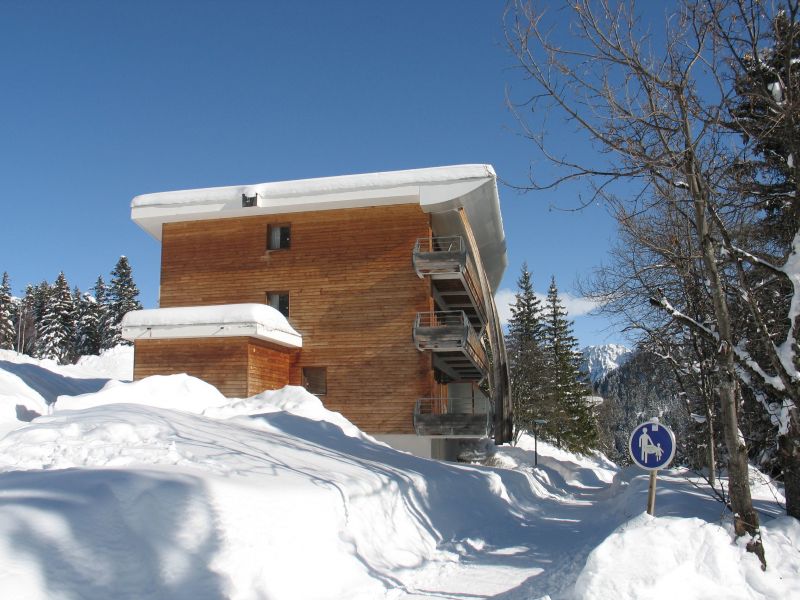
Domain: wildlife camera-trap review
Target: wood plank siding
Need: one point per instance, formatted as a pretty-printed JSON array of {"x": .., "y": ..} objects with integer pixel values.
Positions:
[
  {"x": 221, "y": 362},
  {"x": 268, "y": 366},
  {"x": 353, "y": 296}
]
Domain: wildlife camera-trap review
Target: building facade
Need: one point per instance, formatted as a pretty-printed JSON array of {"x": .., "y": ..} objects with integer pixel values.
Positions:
[{"x": 387, "y": 280}]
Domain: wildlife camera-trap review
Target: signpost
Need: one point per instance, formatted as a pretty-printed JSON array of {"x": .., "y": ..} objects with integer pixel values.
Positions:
[
  {"x": 537, "y": 422},
  {"x": 652, "y": 447}
]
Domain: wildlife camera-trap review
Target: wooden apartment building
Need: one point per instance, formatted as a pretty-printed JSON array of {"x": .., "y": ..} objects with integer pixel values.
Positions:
[{"x": 373, "y": 291}]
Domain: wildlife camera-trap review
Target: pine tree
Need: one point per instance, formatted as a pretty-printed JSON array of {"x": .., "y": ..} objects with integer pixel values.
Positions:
[
  {"x": 569, "y": 417},
  {"x": 29, "y": 317},
  {"x": 78, "y": 308},
  {"x": 7, "y": 332},
  {"x": 25, "y": 323},
  {"x": 41, "y": 298},
  {"x": 94, "y": 321},
  {"x": 524, "y": 344},
  {"x": 56, "y": 332},
  {"x": 123, "y": 295}
]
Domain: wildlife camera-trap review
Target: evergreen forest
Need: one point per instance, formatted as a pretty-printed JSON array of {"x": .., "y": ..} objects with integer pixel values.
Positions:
[{"x": 61, "y": 323}]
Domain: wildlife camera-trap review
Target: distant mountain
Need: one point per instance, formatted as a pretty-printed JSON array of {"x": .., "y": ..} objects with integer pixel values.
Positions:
[{"x": 599, "y": 361}]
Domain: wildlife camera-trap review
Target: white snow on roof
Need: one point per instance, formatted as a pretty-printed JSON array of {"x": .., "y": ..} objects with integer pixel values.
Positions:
[
  {"x": 318, "y": 185},
  {"x": 224, "y": 320}
]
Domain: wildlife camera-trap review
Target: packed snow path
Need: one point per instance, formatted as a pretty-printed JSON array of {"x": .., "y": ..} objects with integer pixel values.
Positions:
[
  {"x": 165, "y": 489},
  {"x": 582, "y": 500}
]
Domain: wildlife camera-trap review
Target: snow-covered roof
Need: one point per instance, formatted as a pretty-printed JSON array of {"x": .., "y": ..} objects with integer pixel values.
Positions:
[
  {"x": 437, "y": 190},
  {"x": 225, "y": 320}
]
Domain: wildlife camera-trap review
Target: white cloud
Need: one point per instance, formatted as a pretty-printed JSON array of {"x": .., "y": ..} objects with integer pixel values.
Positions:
[
  {"x": 575, "y": 306},
  {"x": 504, "y": 299}
]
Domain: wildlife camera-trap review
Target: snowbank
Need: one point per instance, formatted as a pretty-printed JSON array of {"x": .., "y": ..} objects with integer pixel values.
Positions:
[
  {"x": 163, "y": 488},
  {"x": 689, "y": 558},
  {"x": 29, "y": 385},
  {"x": 295, "y": 400},
  {"x": 114, "y": 363},
  {"x": 251, "y": 504},
  {"x": 172, "y": 392},
  {"x": 18, "y": 402}
]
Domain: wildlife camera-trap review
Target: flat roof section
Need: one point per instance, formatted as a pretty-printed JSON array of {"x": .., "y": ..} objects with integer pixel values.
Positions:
[{"x": 224, "y": 320}]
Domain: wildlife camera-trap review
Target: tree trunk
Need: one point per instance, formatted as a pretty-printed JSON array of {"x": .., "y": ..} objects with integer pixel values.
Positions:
[
  {"x": 789, "y": 449},
  {"x": 712, "y": 449},
  {"x": 745, "y": 518}
]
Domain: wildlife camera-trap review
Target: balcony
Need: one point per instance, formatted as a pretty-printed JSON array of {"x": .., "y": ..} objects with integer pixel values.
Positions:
[
  {"x": 451, "y": 269},
  {"x": 453, "y": 417},
  {"x": 456, "y": 346}
]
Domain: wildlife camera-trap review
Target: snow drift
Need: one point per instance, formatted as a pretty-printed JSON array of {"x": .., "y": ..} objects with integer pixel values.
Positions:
[{"x": 165, "y": 489}]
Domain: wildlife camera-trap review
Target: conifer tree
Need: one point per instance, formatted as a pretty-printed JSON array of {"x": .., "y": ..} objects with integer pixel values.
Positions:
[
  {"x": 29, "y": 319},
  {"x": 570, "y": 420},
  {"x": 56, "y": 332},
  {"x": 524, "y": 344},
  {"x": 122, "y": 298},
  {"x": 26, "y": 323},
  {"x": 7, "y": 333},
  {"x": 94, "y": 323},
  {"x": 41, "y": 298},
  {"x": 85, "y": 324}
]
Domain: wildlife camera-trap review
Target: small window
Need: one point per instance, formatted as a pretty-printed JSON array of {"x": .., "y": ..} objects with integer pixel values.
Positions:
[
  {"x": 279, "y": 301},
  {"x": 279, "y": 237},
  {"x": 248, "y": 201},
  {"x": 315, "y": 380}
]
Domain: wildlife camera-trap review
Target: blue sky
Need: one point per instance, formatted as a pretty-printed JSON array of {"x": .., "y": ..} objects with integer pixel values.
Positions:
[{"x": 106, "y": 100}]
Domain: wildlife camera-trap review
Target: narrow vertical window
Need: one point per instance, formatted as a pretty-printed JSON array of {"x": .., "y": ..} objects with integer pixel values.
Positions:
[
  {"x": 279, "y": 237},
  {"x": 279, "y": 301},
  {"x": 315, "y": 380}
]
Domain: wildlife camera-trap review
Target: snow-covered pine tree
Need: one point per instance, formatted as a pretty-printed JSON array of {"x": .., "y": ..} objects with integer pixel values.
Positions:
[
  {"x": 94, "y": 322},
  {"x": 7, "y": 332},
  {"x": 524, "y": 345},
  {"x": 570, "y": 419},
  {"x": 25, "y": 323},
  {"x": 122, "y": 298},
  {"x": 29, "y": 318},
  {"x": 56, "y": 332},
  {"x": 41, "y": 299},
  {"x": 84, "y": 324}
]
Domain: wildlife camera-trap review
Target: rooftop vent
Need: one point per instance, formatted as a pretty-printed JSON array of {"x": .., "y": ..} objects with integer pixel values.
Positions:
[{"x": 248, "y": 201}]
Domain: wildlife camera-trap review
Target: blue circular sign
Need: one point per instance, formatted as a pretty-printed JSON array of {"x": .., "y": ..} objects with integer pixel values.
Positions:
[{"x": 652, "y": 445}]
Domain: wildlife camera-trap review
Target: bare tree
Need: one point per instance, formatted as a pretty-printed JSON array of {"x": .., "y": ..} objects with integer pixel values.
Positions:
[{"x": 658, "y": 114}]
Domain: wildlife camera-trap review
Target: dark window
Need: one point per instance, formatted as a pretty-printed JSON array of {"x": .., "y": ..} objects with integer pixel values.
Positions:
[
  {"x": 279, "y": 301},
  {"x": 248, "y": 201},
  {"x": 315, "y": 380},
  {"x": 279, "y": 237}
]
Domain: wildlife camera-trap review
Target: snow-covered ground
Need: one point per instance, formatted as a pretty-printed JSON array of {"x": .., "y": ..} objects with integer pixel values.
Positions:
[{"x": 165, "y": 489}]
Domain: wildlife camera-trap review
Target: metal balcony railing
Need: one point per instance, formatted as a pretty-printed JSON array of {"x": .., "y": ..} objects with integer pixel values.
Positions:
[
  {"x": 453, "y": 417},
  {"x": 450, "y": 335},
  {"x": 450, "y": 243},
  {"x": 443, "y": 256},
  {"x": 445, "y": 259},
  {"x": 447, "y": 318}
]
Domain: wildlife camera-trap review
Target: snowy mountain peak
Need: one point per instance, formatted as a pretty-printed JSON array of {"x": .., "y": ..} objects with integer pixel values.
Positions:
[{"x": 599, "y": 361}]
